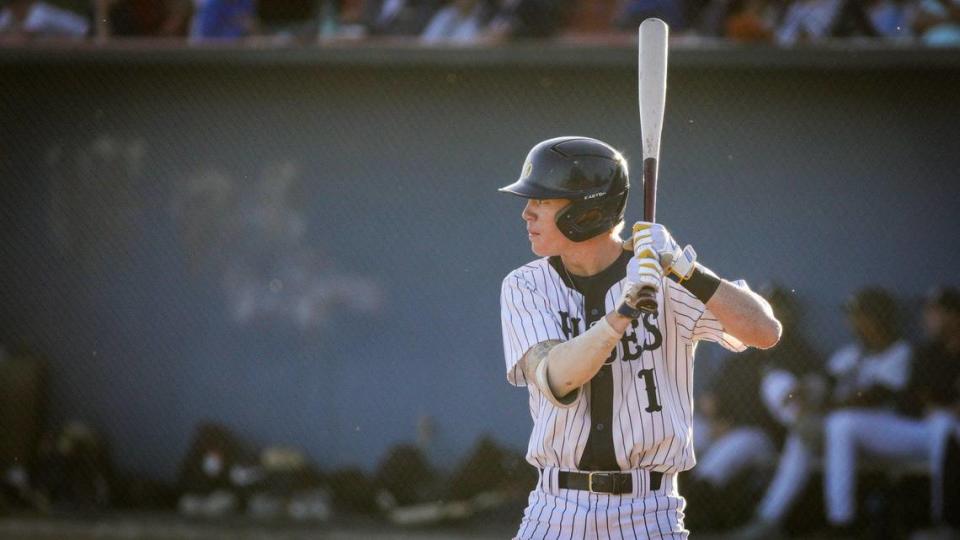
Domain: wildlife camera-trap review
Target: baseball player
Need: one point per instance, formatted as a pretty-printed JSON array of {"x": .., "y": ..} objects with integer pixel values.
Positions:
[
  {"x": 896, "y": 437},
  {"x": 610, "y": 386}
]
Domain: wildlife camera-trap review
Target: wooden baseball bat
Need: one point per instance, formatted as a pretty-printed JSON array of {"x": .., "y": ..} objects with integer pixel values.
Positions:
[{"x": 652, "y": 75}]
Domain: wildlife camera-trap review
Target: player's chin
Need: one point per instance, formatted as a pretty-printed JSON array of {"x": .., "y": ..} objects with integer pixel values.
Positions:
[{"x": 541, "y": 249}]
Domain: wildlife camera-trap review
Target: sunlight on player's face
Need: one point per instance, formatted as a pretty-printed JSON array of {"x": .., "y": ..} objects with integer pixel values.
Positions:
[{"x": 540, "y": 215}]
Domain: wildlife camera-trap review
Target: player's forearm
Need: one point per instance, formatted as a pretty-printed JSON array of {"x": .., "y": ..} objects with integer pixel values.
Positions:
[
  {"x": 573, "y": 363},
  {"x": 745, "y": 315}
]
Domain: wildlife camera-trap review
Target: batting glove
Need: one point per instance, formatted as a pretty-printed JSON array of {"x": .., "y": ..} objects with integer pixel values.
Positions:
[
  {"x": 644, "y": 270},
  {"x": 657, "y": 240}
]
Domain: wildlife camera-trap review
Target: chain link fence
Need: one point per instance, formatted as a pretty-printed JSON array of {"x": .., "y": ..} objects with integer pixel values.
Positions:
[{"x": 265, "y": 287}]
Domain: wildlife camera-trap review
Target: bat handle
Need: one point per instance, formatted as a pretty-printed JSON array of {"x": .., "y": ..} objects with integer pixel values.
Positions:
[
  {"x": 648, "y": 295},
  {"x": 647, "y": 301},
  {"x": 650, "y": 189}
]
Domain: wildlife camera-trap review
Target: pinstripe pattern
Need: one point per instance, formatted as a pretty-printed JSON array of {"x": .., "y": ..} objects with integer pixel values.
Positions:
[
  {"x": 532, "y": 299},
  {"x": 554, "y": 513}
]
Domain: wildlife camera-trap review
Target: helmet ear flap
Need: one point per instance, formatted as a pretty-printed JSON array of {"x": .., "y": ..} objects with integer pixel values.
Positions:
[
  {"x": 566, "y": 220},
  {"x": 583, "y": 220},
  {"x": 589, "y": 218}
]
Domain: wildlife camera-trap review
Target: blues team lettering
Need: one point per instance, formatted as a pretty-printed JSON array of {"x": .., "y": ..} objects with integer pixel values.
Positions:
[
  {"x": 652, "y": 338},
  {"x": 632, "y": 348},
  {"x": 569, "y": 325}
]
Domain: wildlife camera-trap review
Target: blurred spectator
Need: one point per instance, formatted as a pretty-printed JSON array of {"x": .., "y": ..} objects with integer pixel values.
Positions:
[
  {"x": 489, "y": 479},
  {"x": 884, "y": 434},
  {"x": 328, "y": 15},
  {"x": 406, "y": 477},
  {"x": 751, "y": 21},
  {"x": 283, "y": 484},
  {"x": 74, "y": 470},
  {"x": 710, "y": 19},
  {"x": 398, "y": 17},
  {"x": 891, "y": 18},
  {"x": 868, "y": 373},
  {"x": 288, "y": 18},
  {"x": 633, "y": 12},
  {"x": 353, "y": 491},
  {"x": 489, "y": 467},
  {"x": 25, "y": 19},
  {"x": 595, "y": 17},
  {"x": 519, "y": 19},
  {"x": 937, "y": 22},
  {"x": 462, "y": 21},
  {"x": 224, "y": 19},
  {"x": 148, "y": 18},
  {"x": 223, "y": 475},
  {"x": 206, "y": 480},
  {"x": 813, "y": 20}
]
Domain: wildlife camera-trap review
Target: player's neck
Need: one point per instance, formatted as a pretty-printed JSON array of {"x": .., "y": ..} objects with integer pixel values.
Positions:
[
  {"x": 878, "y": 344},
  {"x": 593, "y": 256}
]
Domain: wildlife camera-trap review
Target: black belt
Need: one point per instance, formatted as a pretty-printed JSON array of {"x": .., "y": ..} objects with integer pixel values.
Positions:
[{"x": 615, "y": 483}]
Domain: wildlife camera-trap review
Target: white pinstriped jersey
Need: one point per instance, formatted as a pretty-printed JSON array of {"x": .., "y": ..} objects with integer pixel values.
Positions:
[{"x": 637, "y": 411}]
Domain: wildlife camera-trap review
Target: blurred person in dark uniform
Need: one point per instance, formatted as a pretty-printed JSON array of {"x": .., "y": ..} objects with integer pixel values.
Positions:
[
  {"x": 866, "y": 374},
  {"x": 932, "y": 404}
]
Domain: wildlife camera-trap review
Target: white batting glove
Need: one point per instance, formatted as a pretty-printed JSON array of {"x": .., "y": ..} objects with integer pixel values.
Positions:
[
  {"x": 656, "y": 239},
  {"x": 643, "y": 270}
]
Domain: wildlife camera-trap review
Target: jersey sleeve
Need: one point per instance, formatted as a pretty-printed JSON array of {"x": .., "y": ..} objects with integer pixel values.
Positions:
[
  {"x": 843, "y": 361},
  {"x": 893, "y": 370},
  {"x": 709, "y": 328},
  {"x": 526, "y": 318}
]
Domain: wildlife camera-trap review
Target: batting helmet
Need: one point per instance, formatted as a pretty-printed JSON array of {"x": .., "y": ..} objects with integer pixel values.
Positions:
[{"x": 588, "y": 172}]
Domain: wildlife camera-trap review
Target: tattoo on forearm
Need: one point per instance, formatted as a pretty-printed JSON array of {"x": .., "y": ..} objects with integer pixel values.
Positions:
[{"x": 535, "y": 355}]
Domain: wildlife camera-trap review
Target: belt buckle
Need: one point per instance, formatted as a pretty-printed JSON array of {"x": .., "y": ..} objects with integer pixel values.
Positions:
[{"x": 590, "y": 481}]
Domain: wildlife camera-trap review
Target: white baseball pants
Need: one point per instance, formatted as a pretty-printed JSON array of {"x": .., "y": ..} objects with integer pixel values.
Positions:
[
  {"x": 554, "y": 513},
  {"x": 881, "y": 435}
]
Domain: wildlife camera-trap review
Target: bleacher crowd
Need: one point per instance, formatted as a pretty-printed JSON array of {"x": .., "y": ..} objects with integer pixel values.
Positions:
[{"x": 458, "y": 22}]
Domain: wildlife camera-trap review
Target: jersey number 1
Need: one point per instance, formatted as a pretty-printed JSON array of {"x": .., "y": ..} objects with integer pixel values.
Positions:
[{"x": 648, "y": 379}]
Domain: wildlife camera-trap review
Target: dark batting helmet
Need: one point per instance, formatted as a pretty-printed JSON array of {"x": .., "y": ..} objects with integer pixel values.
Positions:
[{"x": 588, "y": 172}]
